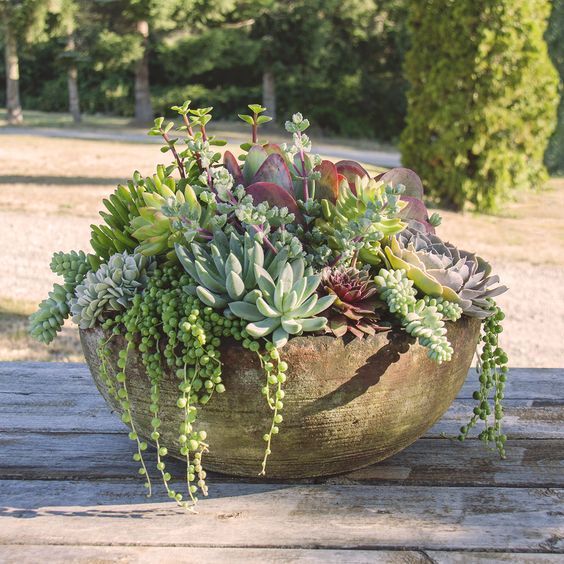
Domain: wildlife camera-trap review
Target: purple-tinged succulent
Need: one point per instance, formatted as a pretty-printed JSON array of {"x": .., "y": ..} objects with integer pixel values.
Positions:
[
  {"x": 439, "y": 269},
  {"x": 354, "y": 309}
]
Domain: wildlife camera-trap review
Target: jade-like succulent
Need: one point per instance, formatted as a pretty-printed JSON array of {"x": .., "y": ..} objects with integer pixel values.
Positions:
[
  {"x": 284, "y": 306},
  {"x": 439, "y": 269},
  {"x": 110, "y": 288},
  {"x": 354, "y": 309},
  {"x": 226, "y": 272},
  {"x": 367, "y": 215}
]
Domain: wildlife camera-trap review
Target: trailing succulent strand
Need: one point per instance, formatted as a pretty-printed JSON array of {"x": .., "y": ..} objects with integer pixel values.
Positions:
[
  {"x": 175, "y": 333},
  {"x": 45, "y": 323},
  {"x": 110, "y": 288},
  {"x": 72, "y": 266},
  {"x": 492, "y": 374},
  {"x": 48, "y": 320},
  {"x": 418, "y": 317}
]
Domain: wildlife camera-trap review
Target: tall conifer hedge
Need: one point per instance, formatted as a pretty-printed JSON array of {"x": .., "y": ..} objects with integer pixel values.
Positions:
[
  {"x": 482, "y": 100},
  {"x": 554, "y": 157}
]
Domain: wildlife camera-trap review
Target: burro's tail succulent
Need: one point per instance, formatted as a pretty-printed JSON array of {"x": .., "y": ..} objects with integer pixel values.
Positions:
[
  {"x": 285, "y": 306},
  {"x": 439, "y": 269}
]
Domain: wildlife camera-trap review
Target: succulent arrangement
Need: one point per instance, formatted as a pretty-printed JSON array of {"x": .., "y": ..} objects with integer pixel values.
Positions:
[{"x": 261, "y": 248}]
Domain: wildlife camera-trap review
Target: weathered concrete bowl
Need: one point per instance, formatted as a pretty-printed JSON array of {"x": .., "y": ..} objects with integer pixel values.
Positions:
[{"x": 347, "y": 405}]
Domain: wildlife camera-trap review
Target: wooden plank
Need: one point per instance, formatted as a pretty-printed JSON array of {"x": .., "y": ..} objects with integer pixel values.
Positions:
[
  {"x": 73, "y": 378},
  {"x": 286, "y": 516},
  {"x": 430, "y": 462},
  {"x": 162, "y": 555},
  {"x": 87, "y": 412},
  {"x": 523, "y": 419},
  {"x": 13, "y": 554},
  {"x": 444, "y": 557},
  {"x": 524, "y": 383}
]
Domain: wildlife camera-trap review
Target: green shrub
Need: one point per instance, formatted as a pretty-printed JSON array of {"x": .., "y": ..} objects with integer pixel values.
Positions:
[
  {"x": 554, "y": 157},
  {"x": 483, "y": 98}
]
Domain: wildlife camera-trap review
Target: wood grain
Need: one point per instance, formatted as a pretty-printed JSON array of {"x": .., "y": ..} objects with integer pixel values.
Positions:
[
  {"x": 69, "y": 490},
  {"x": 285, "y": 516},
  {"x": 73, "y": 456},
  {"x": 163, "y": 555}
]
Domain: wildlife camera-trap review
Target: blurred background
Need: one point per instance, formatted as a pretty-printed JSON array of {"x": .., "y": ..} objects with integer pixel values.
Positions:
[{"x": 465, "y": 92}]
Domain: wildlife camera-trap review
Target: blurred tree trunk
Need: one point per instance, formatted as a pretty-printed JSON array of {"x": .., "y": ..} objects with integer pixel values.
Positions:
[
  {"x": 269, "y": 93},
  {"x": 72, "y": 81},
  {"x": 13, "y": 106},
  {"x": 143, "y": 107}
]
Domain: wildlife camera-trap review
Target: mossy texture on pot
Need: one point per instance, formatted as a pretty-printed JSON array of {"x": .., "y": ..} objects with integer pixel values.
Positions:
[{"x": 346, "y": 405}]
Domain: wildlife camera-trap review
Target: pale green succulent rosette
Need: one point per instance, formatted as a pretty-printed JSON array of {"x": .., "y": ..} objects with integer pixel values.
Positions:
[
  {"x": 226, "y": 272},
  {"x": 438, "y": 269},
  {"x": 286, "y": 306}
]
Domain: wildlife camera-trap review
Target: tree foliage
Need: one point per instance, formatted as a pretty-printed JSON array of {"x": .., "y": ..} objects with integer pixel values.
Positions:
[
  {"x": 554, "y": 157},
  {"x": 339, "y": 61},
  {"x": 483, "y": 97}
]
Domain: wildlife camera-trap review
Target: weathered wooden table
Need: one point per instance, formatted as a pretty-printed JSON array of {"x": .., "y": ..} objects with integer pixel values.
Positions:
[{"x": 70, "y": 492}]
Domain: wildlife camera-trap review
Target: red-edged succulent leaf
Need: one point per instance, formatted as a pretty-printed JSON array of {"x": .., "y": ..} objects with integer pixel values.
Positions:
[
  {"x": 272, "y": 148},
  {"x": 338, "y": 326},
  {"x": 405, "y": 176},
  {"x": 342, "y": 181},
  {"x": 276, "y": 196},
  {"x": 231, "y": 164},
  {"x": 274, "y": 170},
  {"x": 350, "y": 170},
  {"x": 327, "y": 187},
  {"x": 253, "y": 161},
  {"x": 415, "y": 210}
]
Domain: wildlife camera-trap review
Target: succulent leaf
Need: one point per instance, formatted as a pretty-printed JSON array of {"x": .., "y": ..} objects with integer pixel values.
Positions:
[
  {"x": 407, "y": 178},
  {"x": 327, "y": 187},
  {"x": 275, "y": 196},
  {"x": 253, "y": 161},
  {"x": 274, "y": 169},
  {"x": 351, "y": 170}
]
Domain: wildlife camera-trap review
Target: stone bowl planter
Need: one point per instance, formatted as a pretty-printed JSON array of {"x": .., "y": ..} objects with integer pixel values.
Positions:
[{"x": 347, "y": 405}]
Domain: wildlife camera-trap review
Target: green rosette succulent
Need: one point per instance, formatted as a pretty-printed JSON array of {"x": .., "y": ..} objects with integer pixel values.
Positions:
[
  {"x": 225, "y": 273},
  {"x": 439, "y": 269},
  {"x": 110, "y": 288},
  {"x": 286, "y": 306}
]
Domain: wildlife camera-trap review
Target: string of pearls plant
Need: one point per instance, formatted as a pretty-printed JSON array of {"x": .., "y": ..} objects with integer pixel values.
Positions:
[{"x": 257, "y": 250}]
